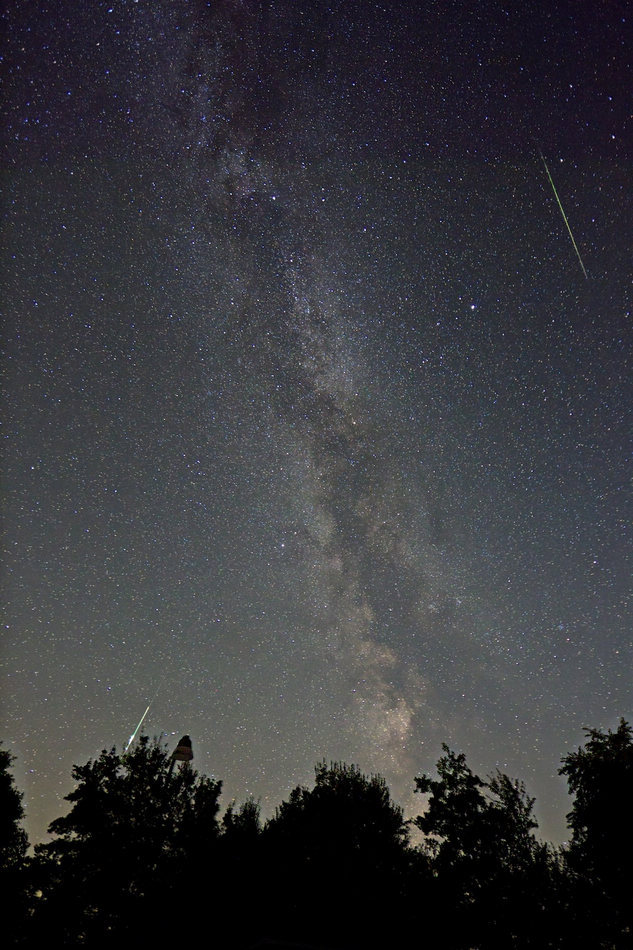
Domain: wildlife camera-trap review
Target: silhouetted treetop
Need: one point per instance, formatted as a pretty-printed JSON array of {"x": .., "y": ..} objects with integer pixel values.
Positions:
[
  {"x": 13, "y": 840},
  {"x": 142, "y": 857},
  {"x": 134, "y": 829},
  {"x": 345, "y": 805},
  {"x": 13, "y": 849},
  {"x": 600, "y": 777}
]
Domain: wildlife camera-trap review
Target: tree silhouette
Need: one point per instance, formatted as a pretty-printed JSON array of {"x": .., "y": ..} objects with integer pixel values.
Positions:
[
  {"x": 600, "y": 854},
  {"x": 13, "y": 848},
  {"x": 244, "y": 875},
  {"x": 136, "y": 835},
  {"x": 490, "y": 872},
  {"x": 341, "y": 845},
  {"x": 13, "y": 840},
  {"x": 141, "y": 859}
]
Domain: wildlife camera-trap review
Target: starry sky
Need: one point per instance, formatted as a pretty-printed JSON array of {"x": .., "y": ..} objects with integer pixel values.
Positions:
[{"x": 317, "y": 437}]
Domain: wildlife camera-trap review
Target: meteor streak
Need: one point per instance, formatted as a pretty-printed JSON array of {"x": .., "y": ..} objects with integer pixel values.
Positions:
[
  {"x": 133, "y": 736},
  {"x": 141, "y": 720},
  {"x": 551, "y": 181}
]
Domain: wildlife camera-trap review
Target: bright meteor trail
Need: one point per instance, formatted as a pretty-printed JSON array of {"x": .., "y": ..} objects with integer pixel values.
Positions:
[
  {"x": 551, "y": 181},
  {"x": 142, "y": 719},
  {"x": 133, "y": 736}
]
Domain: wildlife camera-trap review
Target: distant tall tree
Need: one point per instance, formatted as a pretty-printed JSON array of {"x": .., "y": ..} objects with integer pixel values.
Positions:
[
  {"x": 137, "y": 837},
  {"x": 338, "y": 854},
  {"x": 242, "y": 825},
  {"x": 13, "y": 840},
  {"x": 244, "y": 876},
  {"x": 489, "y": 869},
  {"x": 13, "y": 848},
  {"x": 600, "y": 854}
]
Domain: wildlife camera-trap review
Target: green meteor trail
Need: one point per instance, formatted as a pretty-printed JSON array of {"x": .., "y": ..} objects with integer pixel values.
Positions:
[
  {"x": 551, "y": 181},
  {"x": 133, "y": 736}
]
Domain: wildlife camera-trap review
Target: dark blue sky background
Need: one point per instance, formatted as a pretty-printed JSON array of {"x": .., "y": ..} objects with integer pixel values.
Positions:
[{"x": 316, "y": 433}]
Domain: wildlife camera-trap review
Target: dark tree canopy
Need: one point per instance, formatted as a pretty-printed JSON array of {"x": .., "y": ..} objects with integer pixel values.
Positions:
[
  {"x": 13, "y": 840},
  {"x": 143, "y": 859},
  {"x": 468, "y": 819},
  {"x": 600, "y": 777},
  {"x": 486, "y": 860},
  {"x": 341, "y": 844},
  {"x": 13, "y": 848},
  {"x": 135, "y": 831},
  {"x": 344, "y": 809}
]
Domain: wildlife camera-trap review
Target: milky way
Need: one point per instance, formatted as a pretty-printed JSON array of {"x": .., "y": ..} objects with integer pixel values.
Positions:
[{"x": 317, "y": 437}]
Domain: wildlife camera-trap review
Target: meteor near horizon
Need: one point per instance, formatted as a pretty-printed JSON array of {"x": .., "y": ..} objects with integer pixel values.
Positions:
[
  {"x": 133, "y": 736},
  {"x": 562, "y": 211},
  {"x": 142, "y": 719}
]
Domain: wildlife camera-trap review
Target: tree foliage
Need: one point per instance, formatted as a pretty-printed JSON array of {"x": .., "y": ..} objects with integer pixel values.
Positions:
[
  {"x": 13, "y": 848},
  {"x": 341, "y": 844},
  {"x": 485, "y": 858},
  {"x": 600, "y": 777},
  {"x": 346, "y": 810},
  {"x": 136, "y": 830},
  {"x": 143, "y": 857},
  {"x": 13, "y": 840}
]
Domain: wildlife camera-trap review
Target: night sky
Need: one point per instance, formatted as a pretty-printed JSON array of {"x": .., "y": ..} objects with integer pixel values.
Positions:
[{"x": 316, "y": 433}]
